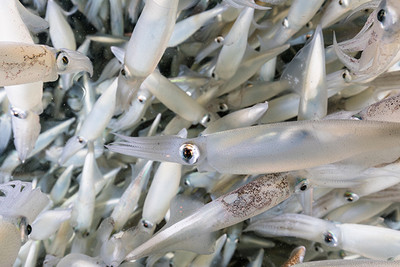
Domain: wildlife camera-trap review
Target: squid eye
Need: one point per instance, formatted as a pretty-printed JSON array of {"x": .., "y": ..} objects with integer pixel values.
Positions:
[
  {"x": 65, "y": 60},
  {"x": 219, "y": 39},
  {"x": 123, "y": 72},
  {"x": 29, "y": 229},
  {"x": 18, "y": 113},
  {"x": 381, "y": 15},
  {"x": 346, "y": 76},
  {"x": 302, "y": 185},
  {"x": 62, "y": 60},
  {"x": 81, "y": 140},
  {"x": 285, "y": 23},
  {"x": 189, "y": 153},
  {"x": 351, "y": 197},
  {"x": 206, "y": 119},
  {"x": 330, "y": 239},
  {"x": 141, "y": 99},
  {"x": 147, "y": 224},
  {"x": 343, "y": 3},
  {"x": 223, "y": 107}
]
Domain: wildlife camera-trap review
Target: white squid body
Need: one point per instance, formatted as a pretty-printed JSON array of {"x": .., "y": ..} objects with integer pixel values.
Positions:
[
  {"x": 247, "y": 201},
  {"x": 234, "y": 47},
  {"x": 336, "y": 10},
  {"x": 25, "y": 97},
  {"x": 24, "y": 68},
  {"x": 369, "y": 241},
  {"x": 163, "y": 188},
  {"x": 273, "y": 147},
  {"x": 186, "y": 27},
  {"x": 83, "y": 211},
  {"x": 23, "y": 63},
  {"x": 379, "y": 41},
  {"x": 301, "y": 12},
  {"x": 61, "y": 33},
  {"x": 306, "y": 75},
  {"x": 94, "y": 124},
  {"x": 19, "y": 206},
  {"x": 238, "y": 119},
  {"x": 145, "y": 47}
]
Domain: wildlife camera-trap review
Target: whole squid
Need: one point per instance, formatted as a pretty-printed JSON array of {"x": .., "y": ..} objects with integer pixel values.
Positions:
[
  {"x": 26, "y": 63},
  {"x": 249, "y": 200},
  {"x": 269, "y": 148}
]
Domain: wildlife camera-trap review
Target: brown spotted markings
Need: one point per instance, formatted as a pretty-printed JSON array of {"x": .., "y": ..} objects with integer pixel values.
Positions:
[
  {"x": 257, "y": 196},
  {"x": 387, "y": 109},
  {"x": 14, "y": 69}
]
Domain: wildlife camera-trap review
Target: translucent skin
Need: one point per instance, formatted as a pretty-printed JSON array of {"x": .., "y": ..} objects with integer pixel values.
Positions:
[
  {"x": 272, "y": 148},
  {"x": 379, "y": 41},
  {"x": 365, "y": 240},
  {"x": 247, "y": 201},
  {"x": 27, "y": 63}
]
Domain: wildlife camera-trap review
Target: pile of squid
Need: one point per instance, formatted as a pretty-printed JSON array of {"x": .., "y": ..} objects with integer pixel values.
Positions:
[{"x": 200, "y": 133}]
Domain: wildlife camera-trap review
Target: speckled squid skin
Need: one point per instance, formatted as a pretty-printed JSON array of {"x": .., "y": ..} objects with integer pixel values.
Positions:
[
  {"x": 387, "y": 109},
  {"x": 25, "y": 63},
  {"x": 249, "y": 200},
  {"x": 261, "y": 194}
]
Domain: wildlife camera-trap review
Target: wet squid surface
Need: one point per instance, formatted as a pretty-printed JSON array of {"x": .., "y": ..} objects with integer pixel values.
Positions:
[{"x": 199, "y": 133}]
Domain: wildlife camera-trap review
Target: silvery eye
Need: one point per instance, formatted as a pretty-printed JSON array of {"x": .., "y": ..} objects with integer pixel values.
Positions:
[
  {"x": 343, "y": 3},
  {"x": 351, "y": 197},
  {"x": 81, "y": 140},
  {"x": 19, "y": 113},
  {"x": 147, "y": 224},
  {"x": 62, "y": 61},
  {"x": 330, "y": 239},
  {"x": 189, "y": 153},
  {"x": 302, "y": 185},
  {"x": 346, "y": 76},
  {"x": 381, "y": 15}
]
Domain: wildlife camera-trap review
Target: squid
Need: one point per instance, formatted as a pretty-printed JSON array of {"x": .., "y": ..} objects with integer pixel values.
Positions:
[
  {"x": 27, "y": 63},
  {"x": 353, "y": 263},
  {"x": 268, "y": 148},
  {"x": 20, "y": 204},
  {"x": 241, "y": 118},
  {"x": 92, "y": 127},
  {"x": 379, "y": 41},
  {"x": 301, "y": 12},
  {"x": 337, "y": 9},
  {"x": 247, "y": 201},
  {"x": 306, "y": 75},
  {"x": 145, "y": 48},
  {"x": 234, "y": 47},
  {"x": 369, "y": 241},
  {"x": 187, "y": 27},
  {"x": 25, "y": 99}
]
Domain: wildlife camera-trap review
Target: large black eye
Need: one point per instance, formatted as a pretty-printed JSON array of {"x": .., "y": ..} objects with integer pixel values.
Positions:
[
  {"x": 65, "y": 60},
  {"x": 62, "y": 60},
  {"x": 29, "y": 229},
  {"x": 381, "y": 15}
]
